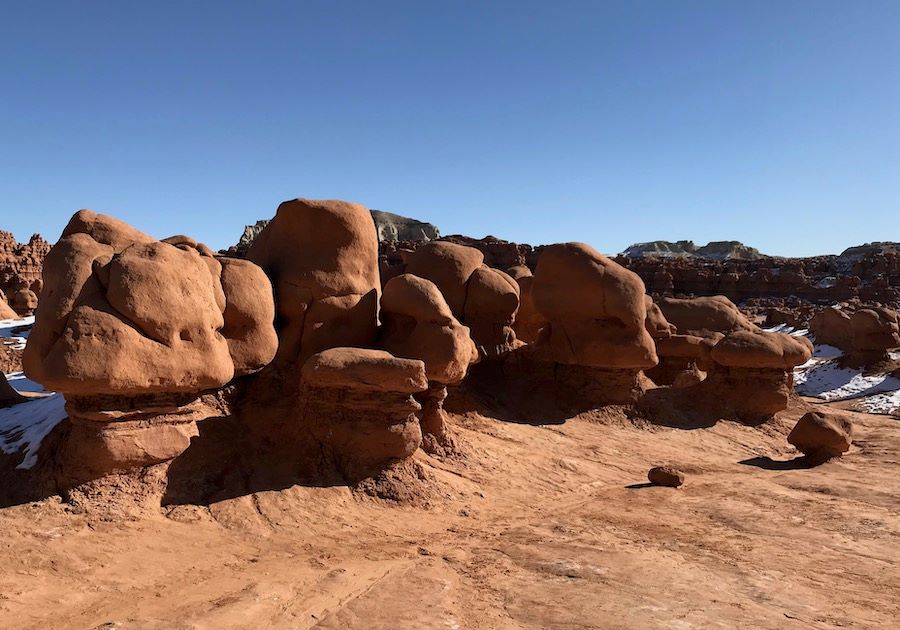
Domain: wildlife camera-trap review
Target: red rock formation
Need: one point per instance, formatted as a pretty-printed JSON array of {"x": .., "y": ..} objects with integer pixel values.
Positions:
[
  {"x": 359, "y": 404},
  {"x": 418, "y": 324},
  {"x": 21, "y": 263},
  {"x": 322, "y": 259},
  {"x": 132, "y": 332}
]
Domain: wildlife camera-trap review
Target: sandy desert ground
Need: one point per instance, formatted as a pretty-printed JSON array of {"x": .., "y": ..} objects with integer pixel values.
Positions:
[{"x": 532, "y": 527}]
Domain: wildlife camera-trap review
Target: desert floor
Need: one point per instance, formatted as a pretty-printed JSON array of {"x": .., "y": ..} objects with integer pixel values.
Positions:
[{"x": 531, "y": 527}]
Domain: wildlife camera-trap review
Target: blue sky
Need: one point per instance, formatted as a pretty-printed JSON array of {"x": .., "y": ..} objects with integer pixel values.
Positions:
[{"x": 774, "y": 123}]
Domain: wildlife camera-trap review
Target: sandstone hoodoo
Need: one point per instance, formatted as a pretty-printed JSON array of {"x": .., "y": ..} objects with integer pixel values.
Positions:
[
  {"x": 866, "y": 335},
  {"x": 359, "y": 404},
  {"x": 822, "y": 435},
  {"x": 130, "y": 330},
  {"x": 751, "y": 377},
  {"x": 418, "y": 324},
  {"x": 596, "y": 331}
]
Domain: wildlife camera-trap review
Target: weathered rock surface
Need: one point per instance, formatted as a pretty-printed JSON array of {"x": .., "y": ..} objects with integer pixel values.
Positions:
[
  {"x": 595, "y": 310},
  {"x": 665, "y": 476},
  {"x": 822, "y": 435},
  {"x": 322, "y": 259},
  {"x": 359, "y": 405},
  {"x": 132, "y": 331}
]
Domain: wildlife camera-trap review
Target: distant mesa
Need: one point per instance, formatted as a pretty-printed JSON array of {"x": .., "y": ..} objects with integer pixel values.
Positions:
[
  {"x": 859, "y": 252},
  {"x": 715, "y": 250}
]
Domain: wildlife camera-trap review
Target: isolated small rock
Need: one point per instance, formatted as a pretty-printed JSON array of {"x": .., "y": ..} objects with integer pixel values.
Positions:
[
  {"x": 665, "y": 476},
  {"x": 822, "y": 435}
]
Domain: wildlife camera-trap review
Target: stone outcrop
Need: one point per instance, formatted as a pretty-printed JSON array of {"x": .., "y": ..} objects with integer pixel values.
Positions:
[
  {"x": 21, "y": 263},
  {"x": 716, "y": 250},
  {"x": 596, "y": 334},
  {"x": 359, "y": 404},
  {"x": 864, "y": 334},
  {"x": 390, "y": 228},
  {"x": 322, "y": 259},
  {"x": 133, "y": 331},
  {"x": 418, "y": 324},
  {"x": 822, "y": 435},
  {"x": 482, "y": 298}
]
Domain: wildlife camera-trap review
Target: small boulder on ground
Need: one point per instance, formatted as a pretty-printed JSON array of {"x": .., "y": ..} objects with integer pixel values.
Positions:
[
  {"x": 665, "y": 476},
  {"x": 822, "y": 435}
]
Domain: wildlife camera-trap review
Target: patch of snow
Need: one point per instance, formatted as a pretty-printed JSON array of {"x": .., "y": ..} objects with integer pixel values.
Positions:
[
  {"x": 16, "y": 330},
  {"x": 881, "y": 403},
  {"x": 829, "y": 381},
  {"x": 24, "y": 426}
]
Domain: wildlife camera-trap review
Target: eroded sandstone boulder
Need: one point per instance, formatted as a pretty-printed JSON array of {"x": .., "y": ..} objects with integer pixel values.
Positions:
[
  {"x": 596, "y": 336},
  {"x": 822, "y": 435},
  {"x": 595, "y": 310},
  {"x": 132, "y": 331},
  {"x": 359, "y": 405},
  {"x": 703, "y": 316},
  {"x": 483, "y": 298},
  {"x": 418, "y": 324},
  {"x": 322, "y": 259},
  {"x": 752, "y": 373}
]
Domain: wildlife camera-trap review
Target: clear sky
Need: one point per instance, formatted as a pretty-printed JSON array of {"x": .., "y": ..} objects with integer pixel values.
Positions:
[{"x": 773, "y": 123}]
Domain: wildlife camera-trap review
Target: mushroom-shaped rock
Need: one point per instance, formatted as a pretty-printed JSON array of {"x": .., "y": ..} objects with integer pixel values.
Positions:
[
  {"x": 749, "y": 349},
  {"x": 322, "y": 258},
  {"x": 24, "y": 302},
  {"x": 705, "y": 315},
  {"x": 359, "y": 405},
  {"x": 822, "y": 435},
  {"x": 418, "y": 324},
  {"x": 751, "y": 376},
  {"x": 595, "y": 310},
  {"x": 132, "y": 331}
]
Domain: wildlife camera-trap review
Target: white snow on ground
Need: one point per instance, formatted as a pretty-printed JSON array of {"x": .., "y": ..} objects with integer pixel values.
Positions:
[
  {"x": 16, "y": 331},
  {"x": 828, "y": 381},
  {"x": 24, "y": 426},
  {"x": 821, "y": 377}
]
